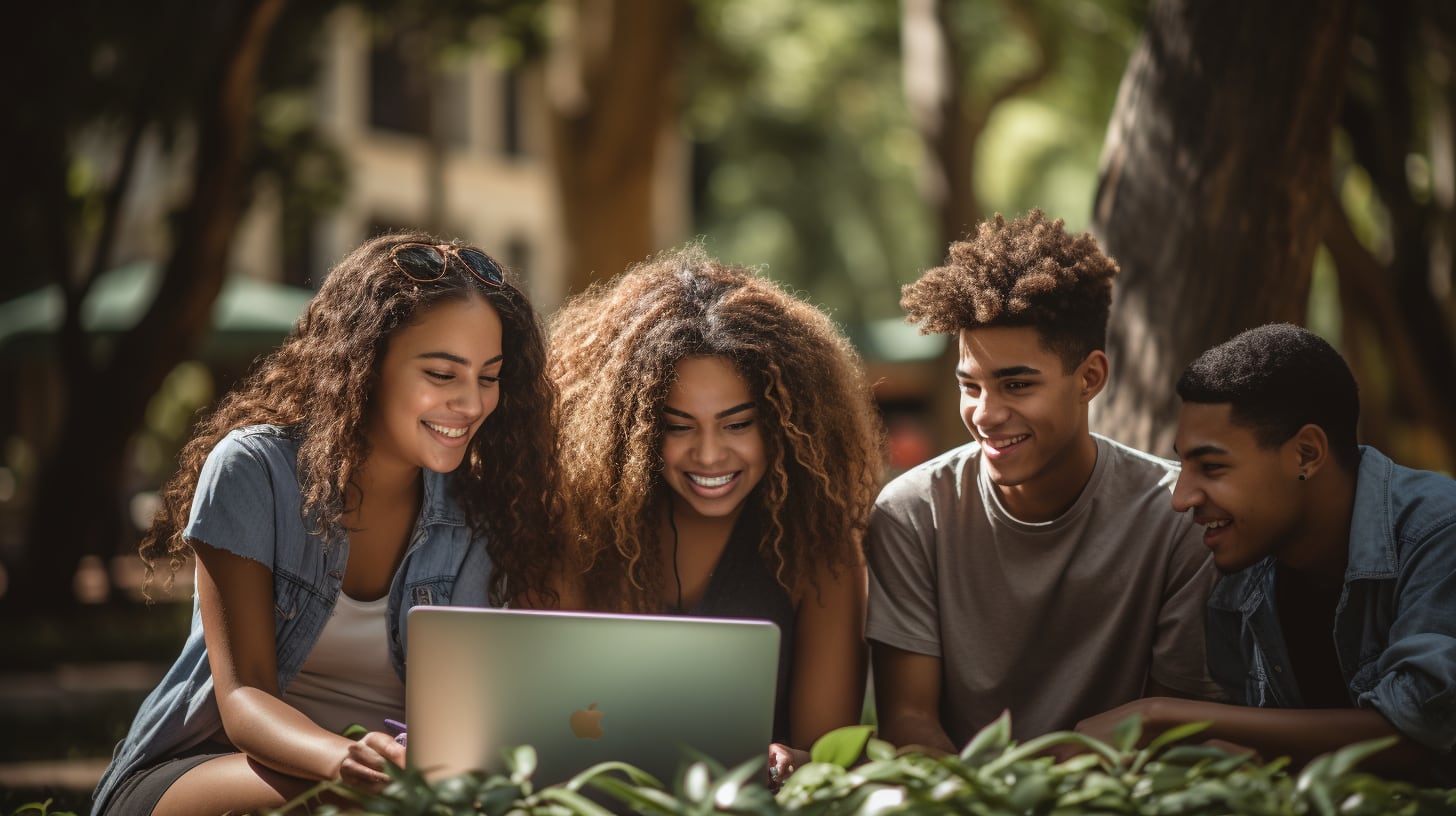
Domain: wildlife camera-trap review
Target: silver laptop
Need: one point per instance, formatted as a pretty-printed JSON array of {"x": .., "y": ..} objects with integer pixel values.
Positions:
[{"x": 585, "y": 688}]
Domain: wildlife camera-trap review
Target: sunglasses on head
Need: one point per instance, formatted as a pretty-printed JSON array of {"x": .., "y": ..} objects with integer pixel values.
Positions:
[{"x": 426, "y": 262}]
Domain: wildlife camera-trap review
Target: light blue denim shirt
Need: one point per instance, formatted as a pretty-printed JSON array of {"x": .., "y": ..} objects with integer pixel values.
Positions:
[
  {"x": 1395, "y": 622},
  {"x": 248, "y": 502}
]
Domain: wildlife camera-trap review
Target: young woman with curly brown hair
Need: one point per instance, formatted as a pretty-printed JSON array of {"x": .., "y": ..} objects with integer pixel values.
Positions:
[
  {"x": 721, "y": 450},
  {"x": 398, "y": 449}
]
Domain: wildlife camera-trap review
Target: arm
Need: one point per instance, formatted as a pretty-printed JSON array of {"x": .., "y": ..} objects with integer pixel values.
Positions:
[
  {"x": 1298, "y": 733},
  {"x": 829, "y": 656},
  {"x": 907, "y": 698},
  {"x": 235, "y": 595}
]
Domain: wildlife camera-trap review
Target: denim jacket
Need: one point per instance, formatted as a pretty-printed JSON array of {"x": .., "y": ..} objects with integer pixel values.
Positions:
[
  {"x": 1395, "y": 622},
  {"x": 248, "y": 502}
]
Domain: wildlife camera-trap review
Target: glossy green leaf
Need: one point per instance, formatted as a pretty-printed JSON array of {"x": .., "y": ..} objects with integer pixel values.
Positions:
[
  {"x": 842, "y": 746},
  {"x": 993, "y": 738}
]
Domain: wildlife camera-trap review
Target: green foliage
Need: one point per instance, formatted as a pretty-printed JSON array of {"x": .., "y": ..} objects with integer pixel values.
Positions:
[
  {"x": 805, "y": 159},
  {"x": 40, "y": 809},
  {"x": 992, "y": 775}
]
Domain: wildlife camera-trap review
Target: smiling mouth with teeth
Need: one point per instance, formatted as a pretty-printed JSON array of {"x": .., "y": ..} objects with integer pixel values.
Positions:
[
  {"x": 453, "y": 433},
  {"x": 711, "y": 481},
  {"x": 1217, "y": 525},
  {"x": 1006, "y": 443}
]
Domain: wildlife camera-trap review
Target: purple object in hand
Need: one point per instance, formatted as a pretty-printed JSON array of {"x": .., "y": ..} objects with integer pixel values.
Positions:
[{"x": 399, "y": 729}]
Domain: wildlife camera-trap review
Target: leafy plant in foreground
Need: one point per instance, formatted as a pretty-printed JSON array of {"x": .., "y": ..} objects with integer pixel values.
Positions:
[{"x": 853, "y": 773}]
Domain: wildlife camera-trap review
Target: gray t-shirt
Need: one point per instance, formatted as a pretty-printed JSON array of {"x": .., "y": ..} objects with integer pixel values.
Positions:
[{"x": 1055, "y": 621}]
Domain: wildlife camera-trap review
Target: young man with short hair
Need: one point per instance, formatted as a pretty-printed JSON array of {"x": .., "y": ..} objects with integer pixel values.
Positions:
[
  {"x": 1337, "y": 603},
  {"x": 1039, "y": 567}
]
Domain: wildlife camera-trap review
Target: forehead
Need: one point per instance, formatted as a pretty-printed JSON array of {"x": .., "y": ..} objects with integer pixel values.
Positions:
[
  {"x": 1209, "y": 427},
  {"x": 467, "y": 326},
  {"x": 992, "y": 349},
  {"x": 707, "y": 381}
]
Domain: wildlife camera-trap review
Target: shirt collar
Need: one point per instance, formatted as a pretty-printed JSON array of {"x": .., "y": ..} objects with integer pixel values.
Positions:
[
  {"x": 1372, "y": 537},
  {"x": 440, "y": 507}
]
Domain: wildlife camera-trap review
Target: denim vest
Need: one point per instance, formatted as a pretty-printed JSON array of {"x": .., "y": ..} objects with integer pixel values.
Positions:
[
  {"x": 248, "y": 502},
  {"x": 1395, "y": 623}
]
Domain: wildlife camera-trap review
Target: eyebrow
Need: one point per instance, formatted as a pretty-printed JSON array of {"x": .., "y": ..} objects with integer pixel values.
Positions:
[
  {"x": 668, "y": 409},
  {"x": 1003, "y": 373},
  {"x": 457, "y": 359},
  {"x": 1201, "y": 450}
]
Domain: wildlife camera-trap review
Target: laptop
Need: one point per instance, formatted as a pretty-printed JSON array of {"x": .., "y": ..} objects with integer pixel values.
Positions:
[{"x": 584, "y": 688}]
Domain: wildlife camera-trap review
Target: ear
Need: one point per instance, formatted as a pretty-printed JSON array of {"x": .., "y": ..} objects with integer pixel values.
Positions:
[
  {"x": 1093, "y": 374},
  {"x": 1309, "y": 450}
]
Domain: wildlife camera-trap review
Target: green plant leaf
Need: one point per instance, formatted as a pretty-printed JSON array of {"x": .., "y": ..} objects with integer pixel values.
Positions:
[
  {"x": 1125, "y": 735},
  {"x": 521, "y": 761},
  {"x": 573, "y": 801},
  {"x": 993, "y": 738},
  {"x": 640, "y": 798},
  {"x": 1345, "y": 759},
  {"x": 636, "y": 775},
  {"x": 1035, "y": 747},
  {"x": 695, "y": 783},
  {"x": 878, "y": 749},
  {"x": 1177, "y": 733},
  {"x": 842, "y": 746},
  {"x": 1193, "y": 754}
]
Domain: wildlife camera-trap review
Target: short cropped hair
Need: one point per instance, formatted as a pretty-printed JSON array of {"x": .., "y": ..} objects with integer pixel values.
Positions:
[
  {"x": 1278, "y": 378},
  {"x": 1027, "y": 272}
]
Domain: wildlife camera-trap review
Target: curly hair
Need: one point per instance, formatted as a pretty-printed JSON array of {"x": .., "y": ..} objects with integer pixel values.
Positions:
[
  {"x": 614, "y": 354},
  {"x": 321, "y": 380},
  {"x": 1277, "y": 379},
  {"x": 1027, "y": 272}
]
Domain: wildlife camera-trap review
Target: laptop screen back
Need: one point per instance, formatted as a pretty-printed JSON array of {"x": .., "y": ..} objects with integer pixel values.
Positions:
[{"x": 585, "y": 688}]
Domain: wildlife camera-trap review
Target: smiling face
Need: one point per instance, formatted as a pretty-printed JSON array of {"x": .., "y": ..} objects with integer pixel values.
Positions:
[
  {"x": 1247, "y": 497},
  {"x": 712, "y": 445},
  {"x": 1029, "y": 416},
  {"x": 438, "y": 381}
]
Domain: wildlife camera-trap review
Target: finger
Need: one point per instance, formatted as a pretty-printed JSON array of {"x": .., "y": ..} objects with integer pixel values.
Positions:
[{"x": 356, "y": 773}]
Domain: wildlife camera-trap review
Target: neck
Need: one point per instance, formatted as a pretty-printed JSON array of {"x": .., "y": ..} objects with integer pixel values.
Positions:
[
  {"x": 379, "y": 483},
  {"x": 1052, "y": 492},
  {"x": 1321, "y": 545}
]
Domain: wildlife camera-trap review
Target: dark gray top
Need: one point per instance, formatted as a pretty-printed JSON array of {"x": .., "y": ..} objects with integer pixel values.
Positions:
[{"x": 743, "y": 586}]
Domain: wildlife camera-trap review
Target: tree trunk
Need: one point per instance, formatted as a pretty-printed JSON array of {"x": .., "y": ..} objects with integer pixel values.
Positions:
[
  {"x": 1212, "y": 193},
  {"x": 950, "y": 124},
  {"x": 77, "y": 511},
  {"x": 612, "y": 99}
]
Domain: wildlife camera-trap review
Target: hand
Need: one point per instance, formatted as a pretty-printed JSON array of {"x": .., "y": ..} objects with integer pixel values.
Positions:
[
  {"x": 1101, "y": 726},
  {"x": 782, "y": 762},
  {"x": 364, "y": 766}
]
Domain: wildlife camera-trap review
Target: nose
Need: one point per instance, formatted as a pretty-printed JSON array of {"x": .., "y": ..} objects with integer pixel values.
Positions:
[
  {"x": 467, "y": 401},
  {"x": 1186, "y": 495},
  {"x": 988, "y": 411},
  {"x": 710, "y": 448}
]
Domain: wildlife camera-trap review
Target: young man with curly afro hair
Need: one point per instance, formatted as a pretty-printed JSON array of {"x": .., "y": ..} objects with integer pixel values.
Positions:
[
  {"x": 1038, "y": 569},
  {"x": 1333, "y": 620}
]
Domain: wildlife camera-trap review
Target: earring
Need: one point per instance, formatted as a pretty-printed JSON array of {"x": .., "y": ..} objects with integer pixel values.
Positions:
[{"x": 1301, "y": 475}]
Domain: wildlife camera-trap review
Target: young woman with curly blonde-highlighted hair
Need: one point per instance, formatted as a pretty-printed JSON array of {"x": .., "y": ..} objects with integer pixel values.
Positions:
[
  {"x": 397, "y": 449},
  {"x": 721, "y": 451}
]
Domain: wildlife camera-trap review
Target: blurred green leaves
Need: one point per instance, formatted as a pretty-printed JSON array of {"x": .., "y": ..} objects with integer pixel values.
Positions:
[{"x": 992, "y": 776}]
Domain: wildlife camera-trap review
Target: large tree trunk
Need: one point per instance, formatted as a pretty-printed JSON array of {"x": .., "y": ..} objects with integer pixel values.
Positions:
[
  {"x": 1212, "y": 194},
  {"x": 76, "y": 510},
  {"x": 612, "y": 100}
]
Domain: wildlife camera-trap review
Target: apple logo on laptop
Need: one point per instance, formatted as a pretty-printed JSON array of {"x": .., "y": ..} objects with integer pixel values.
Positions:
[{"x": 587, "y": 723}]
